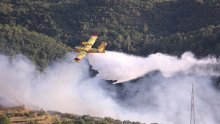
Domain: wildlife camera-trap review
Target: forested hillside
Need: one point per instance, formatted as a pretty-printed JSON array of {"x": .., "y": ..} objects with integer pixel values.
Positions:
[
  {"x": 134, "y": 26},
  {"x": 37, "y": 47}
]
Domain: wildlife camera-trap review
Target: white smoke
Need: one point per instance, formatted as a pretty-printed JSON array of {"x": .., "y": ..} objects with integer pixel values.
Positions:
[
  {"x": 65, "y": 86},
  {"x": 156, "y": 97},
  {"x": 123, "y": 67}
]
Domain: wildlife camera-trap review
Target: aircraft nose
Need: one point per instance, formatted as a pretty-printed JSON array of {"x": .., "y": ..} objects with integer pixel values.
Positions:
[{"x": 76, "y": 59}]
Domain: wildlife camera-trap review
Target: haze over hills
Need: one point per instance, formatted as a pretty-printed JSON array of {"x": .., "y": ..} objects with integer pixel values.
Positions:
[{"x": 44, "y": 31}]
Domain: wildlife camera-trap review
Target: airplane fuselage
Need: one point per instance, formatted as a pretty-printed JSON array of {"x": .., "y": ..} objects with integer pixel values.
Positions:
[{"x": 88, "y": 47}]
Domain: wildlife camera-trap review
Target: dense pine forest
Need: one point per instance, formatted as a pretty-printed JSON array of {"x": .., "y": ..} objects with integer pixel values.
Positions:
[{"x": 45, "y": 30}]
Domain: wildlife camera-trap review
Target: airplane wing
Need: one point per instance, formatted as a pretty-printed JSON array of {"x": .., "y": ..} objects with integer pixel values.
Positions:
[
  {"x": 91, "y": 41},
  {"x": 80, "y": 56}
]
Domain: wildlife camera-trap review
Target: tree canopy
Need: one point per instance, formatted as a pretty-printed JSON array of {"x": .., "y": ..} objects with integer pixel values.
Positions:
[{"x": 139, "y": 27}]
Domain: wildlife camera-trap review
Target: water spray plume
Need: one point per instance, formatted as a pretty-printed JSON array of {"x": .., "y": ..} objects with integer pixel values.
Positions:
[{"x": 123, "y": 67}]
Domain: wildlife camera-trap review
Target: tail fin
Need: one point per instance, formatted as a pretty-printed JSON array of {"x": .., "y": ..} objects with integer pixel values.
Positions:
[{"x": 101, "y": 47}]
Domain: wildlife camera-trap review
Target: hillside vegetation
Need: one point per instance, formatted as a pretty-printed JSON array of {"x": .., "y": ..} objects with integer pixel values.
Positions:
[
  {"x": 37, "y": 47},
  {"x": 21, "y": 115},
  {"x": 133, "y": 26}
]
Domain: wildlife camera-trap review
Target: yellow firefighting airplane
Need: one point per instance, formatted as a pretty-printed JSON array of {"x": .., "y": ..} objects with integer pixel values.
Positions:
[{"x": 87, "y": 48}]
